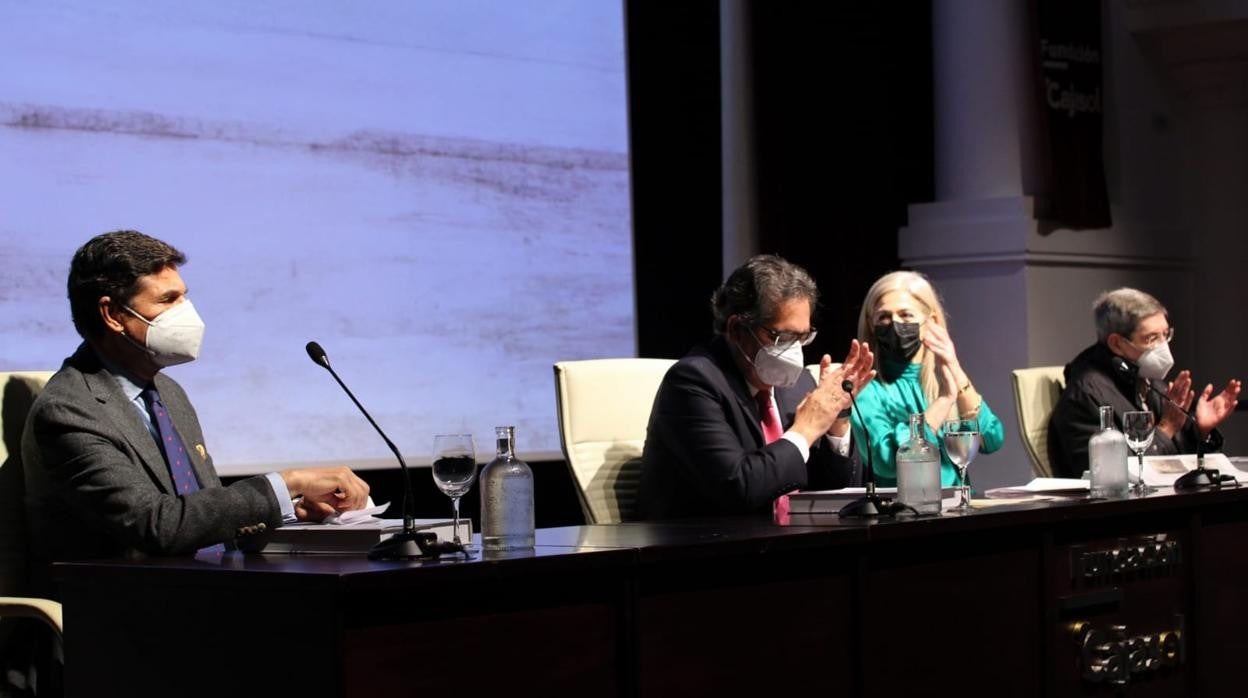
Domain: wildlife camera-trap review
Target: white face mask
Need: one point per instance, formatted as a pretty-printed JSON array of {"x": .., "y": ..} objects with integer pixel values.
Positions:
[
  {"x": 1156, "y": 362},
  {"x": 174, "y": 336},
  {"x": 779, "y": 367}
]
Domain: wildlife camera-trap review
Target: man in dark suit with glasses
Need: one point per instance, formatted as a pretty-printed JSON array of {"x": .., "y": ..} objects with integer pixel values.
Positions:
[{"x": 738, "y": 422}]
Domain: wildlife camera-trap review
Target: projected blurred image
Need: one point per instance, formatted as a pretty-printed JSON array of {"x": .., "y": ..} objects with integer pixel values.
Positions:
[{"x": 435, "y": 192}]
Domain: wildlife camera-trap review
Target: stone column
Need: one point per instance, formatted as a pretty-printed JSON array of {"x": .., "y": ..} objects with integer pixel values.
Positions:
[
  {"x": 972, "y": 241},
  {"x": 740, "y": 235}
]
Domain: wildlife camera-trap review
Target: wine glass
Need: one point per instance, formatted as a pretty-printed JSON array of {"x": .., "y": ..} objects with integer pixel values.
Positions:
[
  {"x": 454, "y": 468},
  {"x": 1139, "y": 430},
  {"x": 962, "y": 445}
]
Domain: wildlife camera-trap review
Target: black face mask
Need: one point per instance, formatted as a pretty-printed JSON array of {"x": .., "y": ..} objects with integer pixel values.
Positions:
[{"x": 898, "y": 341}]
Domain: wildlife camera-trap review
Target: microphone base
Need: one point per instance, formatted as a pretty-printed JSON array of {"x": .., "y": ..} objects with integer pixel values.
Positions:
[
  {"x": 1199, "y": 478},
  {"x": 415, "y": 545},
  {"x": 401, "y": 546},
  {"x": 870, "y": 506}
]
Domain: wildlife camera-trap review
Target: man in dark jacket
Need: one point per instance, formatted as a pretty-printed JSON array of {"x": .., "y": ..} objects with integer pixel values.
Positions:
[
  {"x": 739, "y": 422},
  {"x": 1126, "y": 369}
]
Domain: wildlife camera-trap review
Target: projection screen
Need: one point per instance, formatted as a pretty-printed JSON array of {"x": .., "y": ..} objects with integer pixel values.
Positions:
[{"x": 437, "y": 192}]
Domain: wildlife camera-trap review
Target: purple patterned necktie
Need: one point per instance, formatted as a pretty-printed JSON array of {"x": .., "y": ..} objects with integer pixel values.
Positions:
[{"x": 184, "y": 480}]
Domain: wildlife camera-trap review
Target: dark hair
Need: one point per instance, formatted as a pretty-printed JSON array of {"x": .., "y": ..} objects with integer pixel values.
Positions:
[
  {"x": 754, "y": 290},
  {"x": 110, "y": 265}
]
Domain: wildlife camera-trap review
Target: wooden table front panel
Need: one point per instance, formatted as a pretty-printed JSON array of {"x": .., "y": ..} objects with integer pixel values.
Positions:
[
  {"x": 755, "y": 626},
  {"x": 956, "y": 616}
]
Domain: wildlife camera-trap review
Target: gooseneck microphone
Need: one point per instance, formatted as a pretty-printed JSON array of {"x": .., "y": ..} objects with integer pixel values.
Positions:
[
  {"x": 409, "y": 543},
  {"x": 1201, "y": 476},
  {"x": 869, "y": 505}
]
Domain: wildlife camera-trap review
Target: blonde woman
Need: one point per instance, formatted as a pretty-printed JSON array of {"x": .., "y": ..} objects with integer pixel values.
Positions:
[{"x": 917, "y": 366}]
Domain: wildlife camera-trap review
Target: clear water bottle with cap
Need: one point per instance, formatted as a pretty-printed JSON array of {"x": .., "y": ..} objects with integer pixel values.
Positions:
[
  {"x": 506, "y": 497},
  {"x": 918, "y": 469},
  {"x": 1107, "y": 458}
]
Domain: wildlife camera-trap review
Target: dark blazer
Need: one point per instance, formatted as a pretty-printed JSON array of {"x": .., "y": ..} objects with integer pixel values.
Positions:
[
  {"x": 704, "y": 452},
  {"x": 1092, "y": 381},
  {"x": 97, "y": 484}
]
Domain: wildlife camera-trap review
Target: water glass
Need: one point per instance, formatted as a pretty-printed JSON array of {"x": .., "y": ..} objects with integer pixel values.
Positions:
[
  {"x": 454, "y": 468},
  {"x": 1139, "y": 428},
  {"x": 962, "y": 440}
]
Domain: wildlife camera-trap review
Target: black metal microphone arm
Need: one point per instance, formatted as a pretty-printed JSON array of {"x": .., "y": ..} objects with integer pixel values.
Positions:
[{"x": 410, "y": 543}]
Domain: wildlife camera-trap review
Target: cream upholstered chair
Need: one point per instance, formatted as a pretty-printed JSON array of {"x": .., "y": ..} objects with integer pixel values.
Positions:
[
  {"x": 17, "y": 393},
  {"x": 1036, "y": 392},
  {"x": 604, "y": 407},
  {"x": 46, "y": 610}
]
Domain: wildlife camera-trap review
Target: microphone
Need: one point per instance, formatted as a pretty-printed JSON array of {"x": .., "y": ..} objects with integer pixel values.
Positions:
[
  {"x": 1201, "y": 476},
  {"x": 869, "y": 505},
  {"x": 409, "y": 543}
]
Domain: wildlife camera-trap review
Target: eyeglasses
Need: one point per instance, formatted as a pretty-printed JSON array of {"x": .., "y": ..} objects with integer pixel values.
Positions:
[
  {"x": 784, "y": 339},
  {"x": 1156, "y": 338}
]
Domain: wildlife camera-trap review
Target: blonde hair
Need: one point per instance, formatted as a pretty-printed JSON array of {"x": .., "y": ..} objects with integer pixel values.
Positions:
[{"x": 920, "y": 288}]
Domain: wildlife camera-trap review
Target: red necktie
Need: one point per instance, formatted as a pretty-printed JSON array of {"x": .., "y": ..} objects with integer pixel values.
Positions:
[{"x": 772, "y": 431}]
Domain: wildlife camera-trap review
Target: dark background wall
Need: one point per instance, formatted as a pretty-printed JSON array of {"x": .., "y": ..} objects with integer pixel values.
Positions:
[
  {"x": 843, "y": 122},
  {"x": 674, "y": 127}
]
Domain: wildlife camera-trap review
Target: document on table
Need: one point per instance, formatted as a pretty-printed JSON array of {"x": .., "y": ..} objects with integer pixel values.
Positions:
[
  {"x": 371, "y": 513},
  {"x": 1041, "y": 487},
  {"x": 1162, "y": 471}
]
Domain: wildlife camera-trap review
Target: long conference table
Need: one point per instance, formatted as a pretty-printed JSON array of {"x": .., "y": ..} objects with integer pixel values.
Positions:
[{"x": 1145, "y": 596}]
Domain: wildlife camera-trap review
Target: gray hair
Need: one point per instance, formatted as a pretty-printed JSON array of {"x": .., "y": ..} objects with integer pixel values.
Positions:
[
  {"x": 1121, "y": 310},
  {"x": 755, "y": 289}
]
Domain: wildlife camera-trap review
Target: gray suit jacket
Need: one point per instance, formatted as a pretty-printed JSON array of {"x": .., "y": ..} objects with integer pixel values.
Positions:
[{"x": 97, "y": 484}]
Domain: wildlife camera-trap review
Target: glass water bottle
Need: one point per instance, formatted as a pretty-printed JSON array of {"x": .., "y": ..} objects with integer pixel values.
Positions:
[
  {"x": 1107, "y": 458},
  {"x": 918, "y": 469},
  {"x": 506, "y": 498}
]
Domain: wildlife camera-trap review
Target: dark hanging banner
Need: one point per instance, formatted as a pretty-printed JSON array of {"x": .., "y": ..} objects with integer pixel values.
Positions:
[{"x": 1070, "y": 190}]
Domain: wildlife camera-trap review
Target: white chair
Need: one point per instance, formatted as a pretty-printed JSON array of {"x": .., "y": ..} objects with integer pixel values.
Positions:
[
  {"x": 17, "y": 392},
  {"x": 21, "y": 659},
  {"x": 604, "y": 407},
  {"x": 1036, "y": 392}
]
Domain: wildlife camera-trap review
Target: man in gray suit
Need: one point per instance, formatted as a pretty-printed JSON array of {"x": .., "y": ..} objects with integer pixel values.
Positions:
[{"x": 115, "y": 461}]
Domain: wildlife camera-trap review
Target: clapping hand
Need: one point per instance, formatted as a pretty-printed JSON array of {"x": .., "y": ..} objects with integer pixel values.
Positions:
[
  {"x": 1179, "y": 397},
  {"x": 819, "y": 412},
  {"x": 937, "y": 340},
  {"x": 945, "y": 380},
  {"x": 1211, "y": 411},
  {"x": 858, "y": 367}
]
